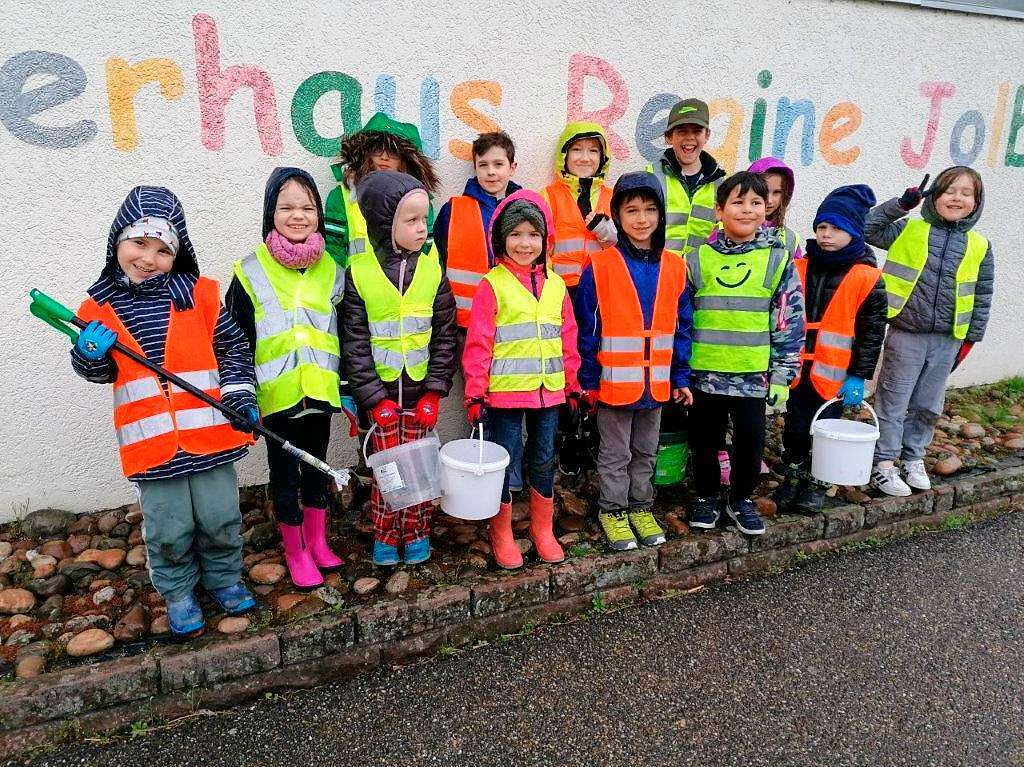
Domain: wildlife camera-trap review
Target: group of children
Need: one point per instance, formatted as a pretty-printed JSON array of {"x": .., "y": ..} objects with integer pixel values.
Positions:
[{"x": 681, "y": 284}]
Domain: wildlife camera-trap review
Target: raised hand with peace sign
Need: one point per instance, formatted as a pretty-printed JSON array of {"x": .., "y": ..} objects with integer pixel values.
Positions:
[{"x": 913, "y": 195}]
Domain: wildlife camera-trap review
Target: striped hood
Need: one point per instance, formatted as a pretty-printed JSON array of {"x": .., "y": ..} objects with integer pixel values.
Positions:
[{"x": 157, "y": 201}]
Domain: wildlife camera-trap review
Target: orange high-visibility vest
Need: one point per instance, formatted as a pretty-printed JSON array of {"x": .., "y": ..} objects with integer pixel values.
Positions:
[
  {"x": 467, "y": 254},
  {"x": 630, "y": 354},
  {"x": 574, "y": 243},
  {"x": 152, "y": 422},
  {"x": 833, "y": 347}
]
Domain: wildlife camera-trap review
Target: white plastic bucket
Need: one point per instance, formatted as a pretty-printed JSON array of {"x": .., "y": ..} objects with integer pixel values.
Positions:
[
  {"x": 842, "y": 450},
  {"x": 409, "y": 473},
  {"x": 472, "y": 475}
]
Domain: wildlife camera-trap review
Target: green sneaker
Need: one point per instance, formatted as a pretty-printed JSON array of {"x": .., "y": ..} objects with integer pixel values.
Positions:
[
  {"x": 647, "y": 528},
  {"x": 616, "y": 530}
]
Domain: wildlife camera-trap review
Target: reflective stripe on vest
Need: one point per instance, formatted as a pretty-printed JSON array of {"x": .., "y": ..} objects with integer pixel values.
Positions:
[
  {"x": 633, "y": 356},
  {"x": 688, "y": 221},
  {"x": 400, "y": 324},
  {"x": 732, "y": 307},
  {"x": 527, "y": 353},
  {"x": 574, "y": 243},
  {"x": 906, "y": 260},
  {"x": 467, "y": 261},
  {"x": 152, "y": 422},
  {"x": 297, "y": 352},
  {"x": 833, "y": 343},
  {"x": 358, "y": 240}
]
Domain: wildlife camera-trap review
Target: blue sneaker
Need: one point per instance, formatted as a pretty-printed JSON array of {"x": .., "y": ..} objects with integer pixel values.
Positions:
[
  {"x": 384, "y": 554},
  {"x": 744, "y": 514},
  {"x": 417, "y": 552},
  {"x": 233, "y": 600},
  {"x": 185, "y": 616},
  {"x": 703, "y": 514}
]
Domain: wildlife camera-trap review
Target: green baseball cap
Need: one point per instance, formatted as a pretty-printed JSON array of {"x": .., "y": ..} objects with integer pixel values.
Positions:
[{"x": 688, "y": 112}]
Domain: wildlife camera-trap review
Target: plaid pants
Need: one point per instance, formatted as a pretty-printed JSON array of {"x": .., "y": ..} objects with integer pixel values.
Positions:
[{"x": 408, "y": 524}]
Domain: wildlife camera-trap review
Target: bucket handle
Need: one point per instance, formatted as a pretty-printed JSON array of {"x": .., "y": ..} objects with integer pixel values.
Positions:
[
  {"x": 479, "y": 471},
  {"x": 825, "y": 404},
  {"x": 373, "y": 425}
]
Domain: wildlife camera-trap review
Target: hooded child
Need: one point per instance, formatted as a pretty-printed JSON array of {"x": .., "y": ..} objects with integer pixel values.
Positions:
[
  {"x": 635, "y": 335},
  {"x": 845, "y": 306},
  {"x": 399, "y": 342},
  {"x": 939, "y": 275},
  {"x": 520, "y": 363},
  {"x": 179, "y": 452},
  {"x": 285, "y": 297},
  {"x": 382, "y": 144}
]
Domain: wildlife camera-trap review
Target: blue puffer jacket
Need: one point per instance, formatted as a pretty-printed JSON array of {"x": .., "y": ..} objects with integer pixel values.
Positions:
[
  {"x": 487, "y": 202},
  {"x": 644, "y": 267}
]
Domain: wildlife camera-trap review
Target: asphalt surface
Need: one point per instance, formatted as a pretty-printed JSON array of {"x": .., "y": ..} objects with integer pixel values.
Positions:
[{"x": 904, "y": 655}]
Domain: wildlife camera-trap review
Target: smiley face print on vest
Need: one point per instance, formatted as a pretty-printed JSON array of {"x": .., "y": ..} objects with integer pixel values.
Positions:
[{"x": 733, "y": 276}]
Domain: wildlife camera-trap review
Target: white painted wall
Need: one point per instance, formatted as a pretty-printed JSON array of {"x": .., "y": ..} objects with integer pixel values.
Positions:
[{"x": 57, "y": 204}]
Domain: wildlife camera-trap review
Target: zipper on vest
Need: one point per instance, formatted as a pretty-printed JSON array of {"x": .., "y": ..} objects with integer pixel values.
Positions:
[
  {"x": 938, "y": 282},
  {"x": 401, "y": 292}
]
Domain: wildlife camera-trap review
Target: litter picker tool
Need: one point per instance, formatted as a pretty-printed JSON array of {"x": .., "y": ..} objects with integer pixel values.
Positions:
[{"x": 59, "y": 317}]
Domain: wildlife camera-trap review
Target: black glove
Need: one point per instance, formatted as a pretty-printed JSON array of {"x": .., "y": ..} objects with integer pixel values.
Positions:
[{"x": 913, "y": 195}]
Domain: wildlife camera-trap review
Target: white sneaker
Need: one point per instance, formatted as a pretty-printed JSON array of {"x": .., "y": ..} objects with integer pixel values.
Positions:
[
  {"x": 888, "y": 480},
  {"x": 916, "y": 476}
]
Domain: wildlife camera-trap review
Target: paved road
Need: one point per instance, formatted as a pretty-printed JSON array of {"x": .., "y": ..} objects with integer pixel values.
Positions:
[{"x": 904, "y": 655}]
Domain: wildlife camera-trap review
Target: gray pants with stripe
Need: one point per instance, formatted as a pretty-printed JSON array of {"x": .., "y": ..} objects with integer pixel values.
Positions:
[
  {"x": 626, "y": 456},
  {"x": 911, "y": 391},
  {"x": 192, "y": 529}
]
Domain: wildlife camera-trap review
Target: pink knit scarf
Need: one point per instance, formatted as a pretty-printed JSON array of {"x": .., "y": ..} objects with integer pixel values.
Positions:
[{"x": 295, "y": 255}]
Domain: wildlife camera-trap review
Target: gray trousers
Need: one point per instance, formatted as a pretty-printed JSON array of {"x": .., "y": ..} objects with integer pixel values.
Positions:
[
  {"x": 192, "y": 529},
  {"x": 626, "y": 457},
  {"x": 911, "y": 391}
]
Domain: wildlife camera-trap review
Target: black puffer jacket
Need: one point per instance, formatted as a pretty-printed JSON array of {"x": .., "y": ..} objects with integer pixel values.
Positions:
[
  {"x": 379, "y": 195},
  {"x": 931, "y": 307},
  {"x": 869, "y": 330}
]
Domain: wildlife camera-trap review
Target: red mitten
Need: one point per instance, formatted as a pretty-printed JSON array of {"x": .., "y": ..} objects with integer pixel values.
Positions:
[
  {"x": 426, "y": 409},
  {"x": 385, "y": 413},
  {"x": 965, "y": 349},
  {"x": 474, "y": 412},
  {"x": 590, "y": 397}
]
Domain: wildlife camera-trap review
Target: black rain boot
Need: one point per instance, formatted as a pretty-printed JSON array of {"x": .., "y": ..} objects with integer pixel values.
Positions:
[
  {"x": 793, "y": 483},
  {"x": 811, "y": 499}
]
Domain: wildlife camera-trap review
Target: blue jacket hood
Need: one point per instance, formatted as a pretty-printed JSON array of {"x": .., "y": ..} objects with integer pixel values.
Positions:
[{"x": 628, "y": 185}]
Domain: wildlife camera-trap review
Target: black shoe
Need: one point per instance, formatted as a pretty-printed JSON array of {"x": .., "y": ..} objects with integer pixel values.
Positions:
[
  {"x": 703, "y": 513},
  {"x": 792, "y": 486},
  {"x": 811, "y": 499}
]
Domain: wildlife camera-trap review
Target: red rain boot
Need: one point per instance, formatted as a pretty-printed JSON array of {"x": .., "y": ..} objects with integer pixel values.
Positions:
[
  {"x": 542, "y": 511},
  {"x": 314, "y": 533},
  {"x": 503, "y": 544},
  {"x": 301, "y": 566}
]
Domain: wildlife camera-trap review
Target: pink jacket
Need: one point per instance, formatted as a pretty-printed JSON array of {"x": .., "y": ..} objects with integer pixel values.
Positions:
[{"x": 476, "y": 358}]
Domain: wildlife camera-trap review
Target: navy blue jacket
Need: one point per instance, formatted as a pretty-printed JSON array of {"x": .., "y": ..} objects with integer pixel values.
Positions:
[
  {"x": 644, "y": 267},
  {"x": 487, "y": 205}
]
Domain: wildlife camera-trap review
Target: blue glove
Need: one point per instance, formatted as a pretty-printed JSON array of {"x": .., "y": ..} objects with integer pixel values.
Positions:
[
  {"x": 252, "y": 419},
  {"x": 348, "y": 407},
  {"x": 95, "y": 342},
  {"x": 852, "y": 391}
]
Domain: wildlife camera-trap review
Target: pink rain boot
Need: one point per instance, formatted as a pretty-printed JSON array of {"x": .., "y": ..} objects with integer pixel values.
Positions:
[
  {"x": 314, "y": 532},
  {"x": 301, "y": 566},
  {"x": 503, "y": 544},
  {"x": 542, "y": 512}
]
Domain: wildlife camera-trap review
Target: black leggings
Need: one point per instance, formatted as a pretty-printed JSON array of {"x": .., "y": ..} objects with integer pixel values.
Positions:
[
  {"x": 709, "y": 420},
  {"x": 289, "y": 477}
]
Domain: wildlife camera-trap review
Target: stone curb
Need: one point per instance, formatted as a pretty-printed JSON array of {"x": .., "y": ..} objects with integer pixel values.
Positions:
[{"x": 168, "y": 682}]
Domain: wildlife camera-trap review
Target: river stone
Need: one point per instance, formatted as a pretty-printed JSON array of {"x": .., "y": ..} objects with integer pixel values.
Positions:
[
  {"x": 47, "y": 523},
  {"x": 14, "y": 601},
  {"x": 90, "y": 642},
  {"x": 267, "y": 573}
]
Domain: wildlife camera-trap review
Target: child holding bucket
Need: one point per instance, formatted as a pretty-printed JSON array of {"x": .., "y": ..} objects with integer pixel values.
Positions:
[
  {"x": 844, "y": 305},
  {"x": 635, "y": 320},
  {"x": 179, "y": 453},
  {"x": 284, "y": 297},
  {"x": 521, "y": 360},
  {"x": 399, "y": 342},
  {"x": 939, "y": 277}
]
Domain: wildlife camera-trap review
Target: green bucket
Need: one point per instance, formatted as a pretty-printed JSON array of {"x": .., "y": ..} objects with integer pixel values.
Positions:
[{"x": 673, "y": 449}]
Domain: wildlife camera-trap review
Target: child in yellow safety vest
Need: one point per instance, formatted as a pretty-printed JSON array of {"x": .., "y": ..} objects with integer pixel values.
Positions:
[
  {"x": 179, "y": 453},
  {"x": 399, "y": 342},
  {"x": 939, "y": 276},
  {"x": 520, "y": 361},
  {"x": 844, "y": 305},
  {"x": 580, "y": 201},
  {"x": 284, "y": 296}
]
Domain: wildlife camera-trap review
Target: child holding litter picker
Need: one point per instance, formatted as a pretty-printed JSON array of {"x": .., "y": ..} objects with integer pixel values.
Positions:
[{"x": 179, "y": 451}]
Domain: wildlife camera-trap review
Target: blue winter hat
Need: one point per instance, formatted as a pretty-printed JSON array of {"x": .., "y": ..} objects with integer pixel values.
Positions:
[{"x": 846, "y": 208}]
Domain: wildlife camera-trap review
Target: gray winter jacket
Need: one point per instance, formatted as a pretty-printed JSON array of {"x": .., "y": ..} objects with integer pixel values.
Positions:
[{"x": 931, "y": 307}]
